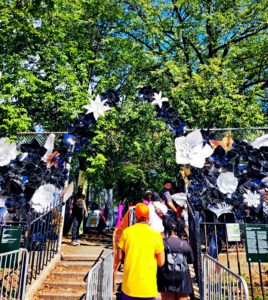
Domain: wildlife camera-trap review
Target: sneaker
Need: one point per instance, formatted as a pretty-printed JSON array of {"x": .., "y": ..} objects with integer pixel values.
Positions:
[{"x": 75, "y": 243}]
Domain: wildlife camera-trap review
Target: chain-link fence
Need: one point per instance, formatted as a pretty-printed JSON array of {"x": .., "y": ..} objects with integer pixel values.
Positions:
[
  {"x": 41, "y": 137},
  {"x": 249, "y": 134}
]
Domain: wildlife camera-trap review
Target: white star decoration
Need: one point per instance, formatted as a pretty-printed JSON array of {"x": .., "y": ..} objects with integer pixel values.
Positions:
[
  {"x": 158, "y": 100},
  {"x": 96, "y": 107}
]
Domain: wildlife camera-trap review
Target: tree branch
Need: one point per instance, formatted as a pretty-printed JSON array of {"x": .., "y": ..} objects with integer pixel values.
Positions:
[
  {"x": 249, "y": 84},
  {"x": 185, "y": 39},
  {"x": 234, "y": 41},
  {"x": 209, "y": 31}
]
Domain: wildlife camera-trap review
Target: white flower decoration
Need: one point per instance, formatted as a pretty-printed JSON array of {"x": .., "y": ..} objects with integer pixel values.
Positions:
[
  {"x": 8, "y": 151},
  {"x": 227, "y": 182},
  {"x": 44, "y": 197},
  {"x": 49, "y": 145},
  {"x": 97, "y": 107},
  {"x": 260, "y": 142},
  {"x": 220, "y": 208},
  {"x": 180, "y": 199},
  {"x": 190, "y": 150},
  {"x": 158, "y": 100},
  {"x": 252, "y": 199},
  {"x": 67, "y": 192}
]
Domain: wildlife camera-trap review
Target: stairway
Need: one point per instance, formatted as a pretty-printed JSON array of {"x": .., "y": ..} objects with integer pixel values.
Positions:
[{"x": 67, "y": 280}]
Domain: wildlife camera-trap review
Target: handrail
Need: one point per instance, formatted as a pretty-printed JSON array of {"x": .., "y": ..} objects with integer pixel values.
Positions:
[
  {"x": 221, "y": 282},
  {"x": 100, "y": 279},
  {"x": 13, "y": 274}
]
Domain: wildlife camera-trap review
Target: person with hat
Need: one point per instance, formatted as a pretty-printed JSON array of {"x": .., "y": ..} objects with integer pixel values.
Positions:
[
  {"x": 141, "y": 249},
  {"x": 147, "y": 199}
]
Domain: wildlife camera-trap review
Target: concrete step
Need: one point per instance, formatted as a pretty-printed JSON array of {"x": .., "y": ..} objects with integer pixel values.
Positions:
[
  {"x": 77, "y": 257},
  {"x": 73, "y": 285},
  {"x": 75, "y": 263},
  {"x": 73, "y": 267},
  {"x": 57, "y": 276},
  {"x": 63, "y": 296},
  {"x": 64, "y": 290}
]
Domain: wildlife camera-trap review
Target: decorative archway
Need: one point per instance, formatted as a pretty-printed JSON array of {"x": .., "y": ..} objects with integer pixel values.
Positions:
[{"x": 223, "y": 175}]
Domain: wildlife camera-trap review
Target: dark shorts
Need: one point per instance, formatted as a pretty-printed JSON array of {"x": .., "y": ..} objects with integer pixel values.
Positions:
[{"x": 126, "y": 297}]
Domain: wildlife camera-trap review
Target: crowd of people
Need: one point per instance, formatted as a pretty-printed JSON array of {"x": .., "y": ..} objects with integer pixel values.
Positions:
[
  {"x": 155, "y": 251},
  {"x": 163, "y": 206}
]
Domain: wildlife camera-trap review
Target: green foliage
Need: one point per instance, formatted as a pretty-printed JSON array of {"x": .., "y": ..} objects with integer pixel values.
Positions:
[
  {"x": 139, "y": 150},
  {"x": 208, "y": 57}
]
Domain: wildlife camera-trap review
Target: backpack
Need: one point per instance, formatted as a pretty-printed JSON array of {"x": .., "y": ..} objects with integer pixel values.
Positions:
[{"x": 175, "y": 267}]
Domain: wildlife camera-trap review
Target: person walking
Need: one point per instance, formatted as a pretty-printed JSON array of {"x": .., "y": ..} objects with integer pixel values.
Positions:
[
  {"x": 141, "y": 249},
  {"x": 77, "y": 212},
  {"x": 182, "y": 288},
  {"x": 165, "y": 194}
]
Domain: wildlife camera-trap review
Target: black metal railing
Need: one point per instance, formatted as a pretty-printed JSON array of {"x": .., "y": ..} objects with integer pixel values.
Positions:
[
  {"x": 41, "y": 240},
  {"x": 194, "y": 240},
  {"x": 40, "y": 236}
]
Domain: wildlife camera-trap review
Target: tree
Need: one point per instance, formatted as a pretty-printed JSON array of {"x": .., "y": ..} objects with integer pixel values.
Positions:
[
  {"x": 209, "y": 55},
  {"x": 53, "y": 55},
  {"x": 134, "y": 151}
]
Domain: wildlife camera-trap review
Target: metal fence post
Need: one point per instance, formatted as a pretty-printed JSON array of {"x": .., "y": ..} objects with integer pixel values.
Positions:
[
  {"x": 220, "y": 283},
  {"x": 100, "y": 279}
]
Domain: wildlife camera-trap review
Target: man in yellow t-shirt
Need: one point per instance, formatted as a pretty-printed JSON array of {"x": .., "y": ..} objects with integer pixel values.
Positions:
[{"x": 142, "y": 249}]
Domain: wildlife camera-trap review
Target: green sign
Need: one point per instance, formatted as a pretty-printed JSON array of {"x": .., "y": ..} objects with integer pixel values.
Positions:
[
  {"x": 256, "y": 242},
  {"x": 233, "y": 232},
  {"x": 9, "y": 241}
]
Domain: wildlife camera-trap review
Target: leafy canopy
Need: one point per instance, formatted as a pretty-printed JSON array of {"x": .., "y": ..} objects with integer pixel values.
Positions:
[{"x": 208, "y": 57}]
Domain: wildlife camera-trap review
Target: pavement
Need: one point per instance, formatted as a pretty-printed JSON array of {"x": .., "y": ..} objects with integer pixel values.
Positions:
[{"x": 89, "y": 243}]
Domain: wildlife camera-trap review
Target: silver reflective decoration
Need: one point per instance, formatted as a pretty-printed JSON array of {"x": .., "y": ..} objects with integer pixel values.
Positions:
[
  {"x": 49, "y": 145},
  {"x": 44, "y": 197},
  {"x": 2, "y": 200},
  {"x": 227, "y": 183},
  {"x": 23, "y": 156},
  {"x": 190, "y": 150},
  {"x": 67, "y": 192},
  {"x": 8, "y": 151},
  {"x": 261, "y": 142},
  {"x": 265, "y": 181},
  {"x": 220, "y": 208},
  {"x": 180, "y": 199},
  {"x": 252, "y": 199}
]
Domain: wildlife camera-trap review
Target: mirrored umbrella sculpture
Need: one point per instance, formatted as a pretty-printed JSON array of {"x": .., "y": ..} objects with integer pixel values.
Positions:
[
  {"x": 226, "y": 178},
  {"x": 222, "y": 177}
]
